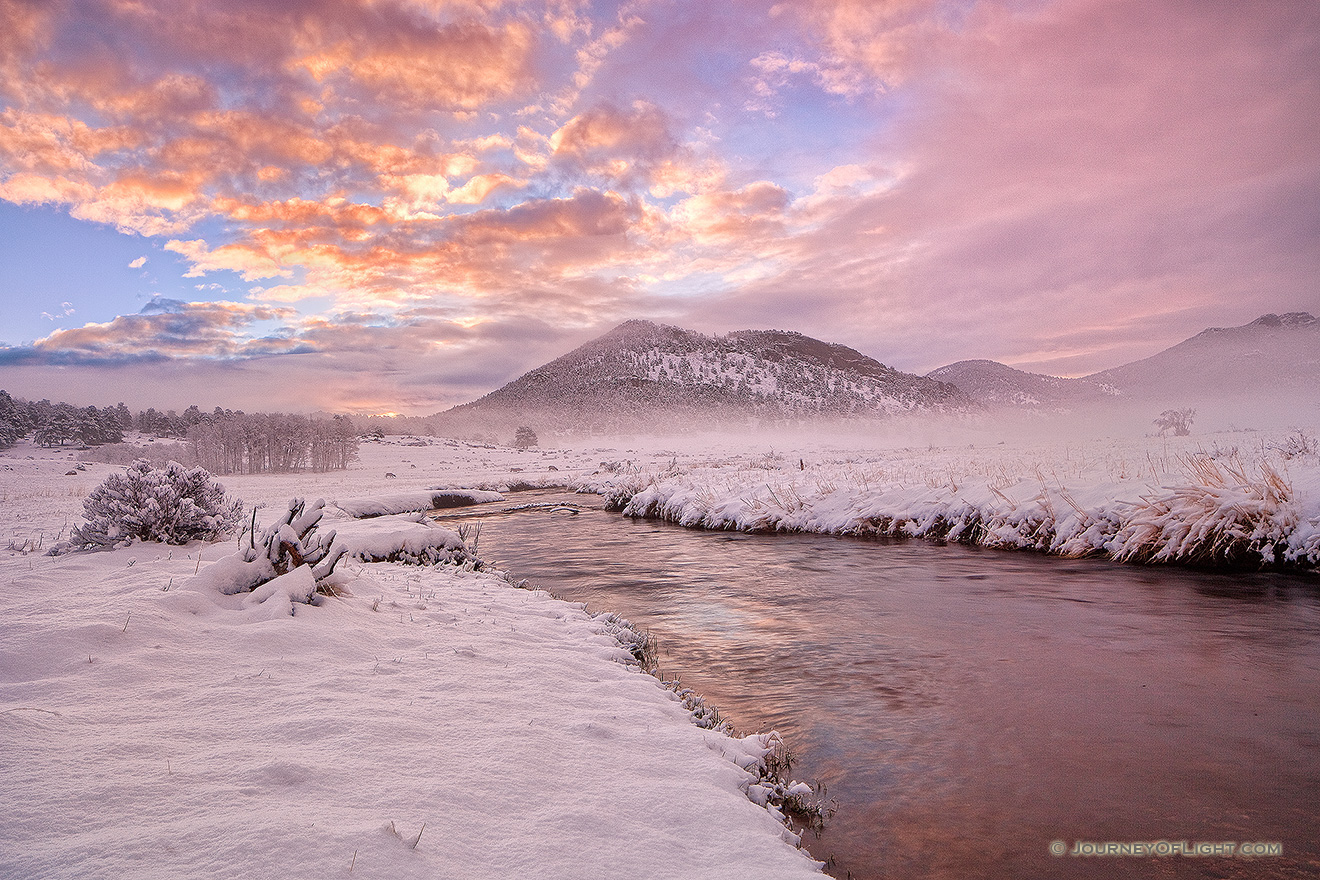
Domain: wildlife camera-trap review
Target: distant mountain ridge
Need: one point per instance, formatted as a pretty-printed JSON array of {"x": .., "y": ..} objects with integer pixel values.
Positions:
[
  {"x": 998, "y": 385},
  {"x": 1274, "y": 354},
  {"x": 646, "y": 377},
  {"x": 643, "y": 375}
]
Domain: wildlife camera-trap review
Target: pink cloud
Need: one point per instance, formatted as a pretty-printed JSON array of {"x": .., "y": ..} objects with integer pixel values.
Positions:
[
  {"x": 1080, "y": 183},
  {"x": 743, "y": 217},
  {"x": 614, "y": 143},
  {"x": 1053, "y": 184},
  {"x": 459, "y": 66}
]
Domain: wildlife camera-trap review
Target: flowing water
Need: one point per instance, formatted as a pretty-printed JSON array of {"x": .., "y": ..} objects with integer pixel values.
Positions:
[{"x": 966, "y": 708}]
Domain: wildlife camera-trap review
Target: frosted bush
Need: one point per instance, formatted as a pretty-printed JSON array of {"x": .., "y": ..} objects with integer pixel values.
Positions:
[{"x": 173, "y": 505}]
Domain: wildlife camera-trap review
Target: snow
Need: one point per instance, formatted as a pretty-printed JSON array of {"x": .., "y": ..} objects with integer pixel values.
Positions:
[
  {"x": 1145, "y": 500},
  {"x": 425, "y": 722},
  {"x": 403, "y": 502},
  {"x": 407, "y": 536},
  {"x": 281, "y": 594}
]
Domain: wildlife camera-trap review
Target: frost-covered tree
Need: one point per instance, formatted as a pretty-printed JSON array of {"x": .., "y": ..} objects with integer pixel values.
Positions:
[
  {"x": 173, "y": 505},
  {"x": 14, "y": 420},
  {"x": 238, "y": 443},
  {"x": 57, "y": 425},
  {"x": 94, "y": 427},
  {"x": 524, "y": 437},
  {"x": 334, "y": 443},
  {"x": 1177, "y": 420}
]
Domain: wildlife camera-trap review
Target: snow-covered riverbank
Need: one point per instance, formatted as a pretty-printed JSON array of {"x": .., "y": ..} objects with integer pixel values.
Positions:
[
  {"x": 431, "y": 721},
  {"x": 1241, "y": 499}
]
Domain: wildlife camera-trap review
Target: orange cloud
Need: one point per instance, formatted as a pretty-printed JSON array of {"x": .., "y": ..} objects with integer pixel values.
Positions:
[
  {"x": 615, "y": 143},
  {"x": 55, "y": 144},
  {"x": 457, "y": 67},
  {"x": 745, "y": 215},
  {"x": 250, "y": 262},
  {"x": 867, "y": 44},
  {"x": 479, "y": 188},
  {"x": 27, "y": 25}
]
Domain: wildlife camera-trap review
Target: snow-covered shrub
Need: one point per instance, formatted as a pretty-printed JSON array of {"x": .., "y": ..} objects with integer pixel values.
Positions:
[
  {"x": 408, "y": 538},
  {"x": 290, "y": 562},
  {"x": 173, "y": 505},
  {"x": 1221, "y": 516},
  {"x": 1296, "y": 446},
  {"x": 1177, "y": 420}
]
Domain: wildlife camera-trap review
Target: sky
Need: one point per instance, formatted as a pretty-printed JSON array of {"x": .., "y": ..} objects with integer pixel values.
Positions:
[{"x": 378, "y": 206}]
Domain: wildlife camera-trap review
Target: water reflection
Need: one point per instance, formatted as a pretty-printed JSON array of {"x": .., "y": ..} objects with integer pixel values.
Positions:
[{"x": 966, "y": 707}]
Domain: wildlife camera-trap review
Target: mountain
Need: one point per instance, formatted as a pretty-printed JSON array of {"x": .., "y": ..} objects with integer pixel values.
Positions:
[
  {"x": 998, "y": 385},
  {"x": 1274, "y": 357},
  {"x": 647, "y": 376},
  {"x": 1272, "y": 354}
]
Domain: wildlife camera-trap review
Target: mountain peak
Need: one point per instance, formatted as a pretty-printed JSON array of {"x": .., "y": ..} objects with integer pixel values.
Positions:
[
  {"x": 996, "y": 384},
  {"x": 1288, "y": 319}
]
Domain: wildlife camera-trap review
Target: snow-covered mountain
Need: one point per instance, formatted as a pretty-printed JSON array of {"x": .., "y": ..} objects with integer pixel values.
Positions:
[
  {"x": 1275, "y": 356},
  {"x": 643, "y": 375},
  {"x": 998, "y": 385}
]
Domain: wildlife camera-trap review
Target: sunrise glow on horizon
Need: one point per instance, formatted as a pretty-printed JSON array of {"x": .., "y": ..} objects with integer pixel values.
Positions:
[{"x": 399, "y": 205}]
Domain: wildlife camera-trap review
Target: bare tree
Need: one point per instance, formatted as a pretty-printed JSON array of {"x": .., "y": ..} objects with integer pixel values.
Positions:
[{"x": 239, "y": 443}]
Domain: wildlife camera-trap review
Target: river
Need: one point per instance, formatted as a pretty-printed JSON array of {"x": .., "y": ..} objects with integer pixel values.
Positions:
[{"x": 966, "y": 708}]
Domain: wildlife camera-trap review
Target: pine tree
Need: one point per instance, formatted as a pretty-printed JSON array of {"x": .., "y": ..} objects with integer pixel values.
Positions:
[{"x": 524, "y": 437}]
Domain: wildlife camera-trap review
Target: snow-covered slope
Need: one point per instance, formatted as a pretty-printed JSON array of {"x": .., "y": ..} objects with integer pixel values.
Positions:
[
  {"x": 995, "y": 384},
  {"x": 1275, "y": 356},
  {"x": 643, "y": 374}
]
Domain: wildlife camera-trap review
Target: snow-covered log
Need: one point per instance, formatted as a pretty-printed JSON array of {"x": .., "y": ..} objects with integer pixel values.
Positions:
[{"x": 406, "y": 502}]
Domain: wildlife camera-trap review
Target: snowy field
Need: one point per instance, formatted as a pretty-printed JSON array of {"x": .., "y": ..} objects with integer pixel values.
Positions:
[
  {"x": 438, "y": 721},
  {"x": 430, "y": 722}
]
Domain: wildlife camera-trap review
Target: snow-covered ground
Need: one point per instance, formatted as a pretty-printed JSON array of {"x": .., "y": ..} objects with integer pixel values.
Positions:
[
  {"x": 429, "y": 722},
  {"x": 154, "y": 727}
]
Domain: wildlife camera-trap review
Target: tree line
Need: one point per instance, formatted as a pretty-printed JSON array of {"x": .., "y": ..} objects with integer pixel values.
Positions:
[
  {"x": 238, "y": 443},
  {"x": 56, "y": 424},
  {"x": 222, "y": 441}
]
